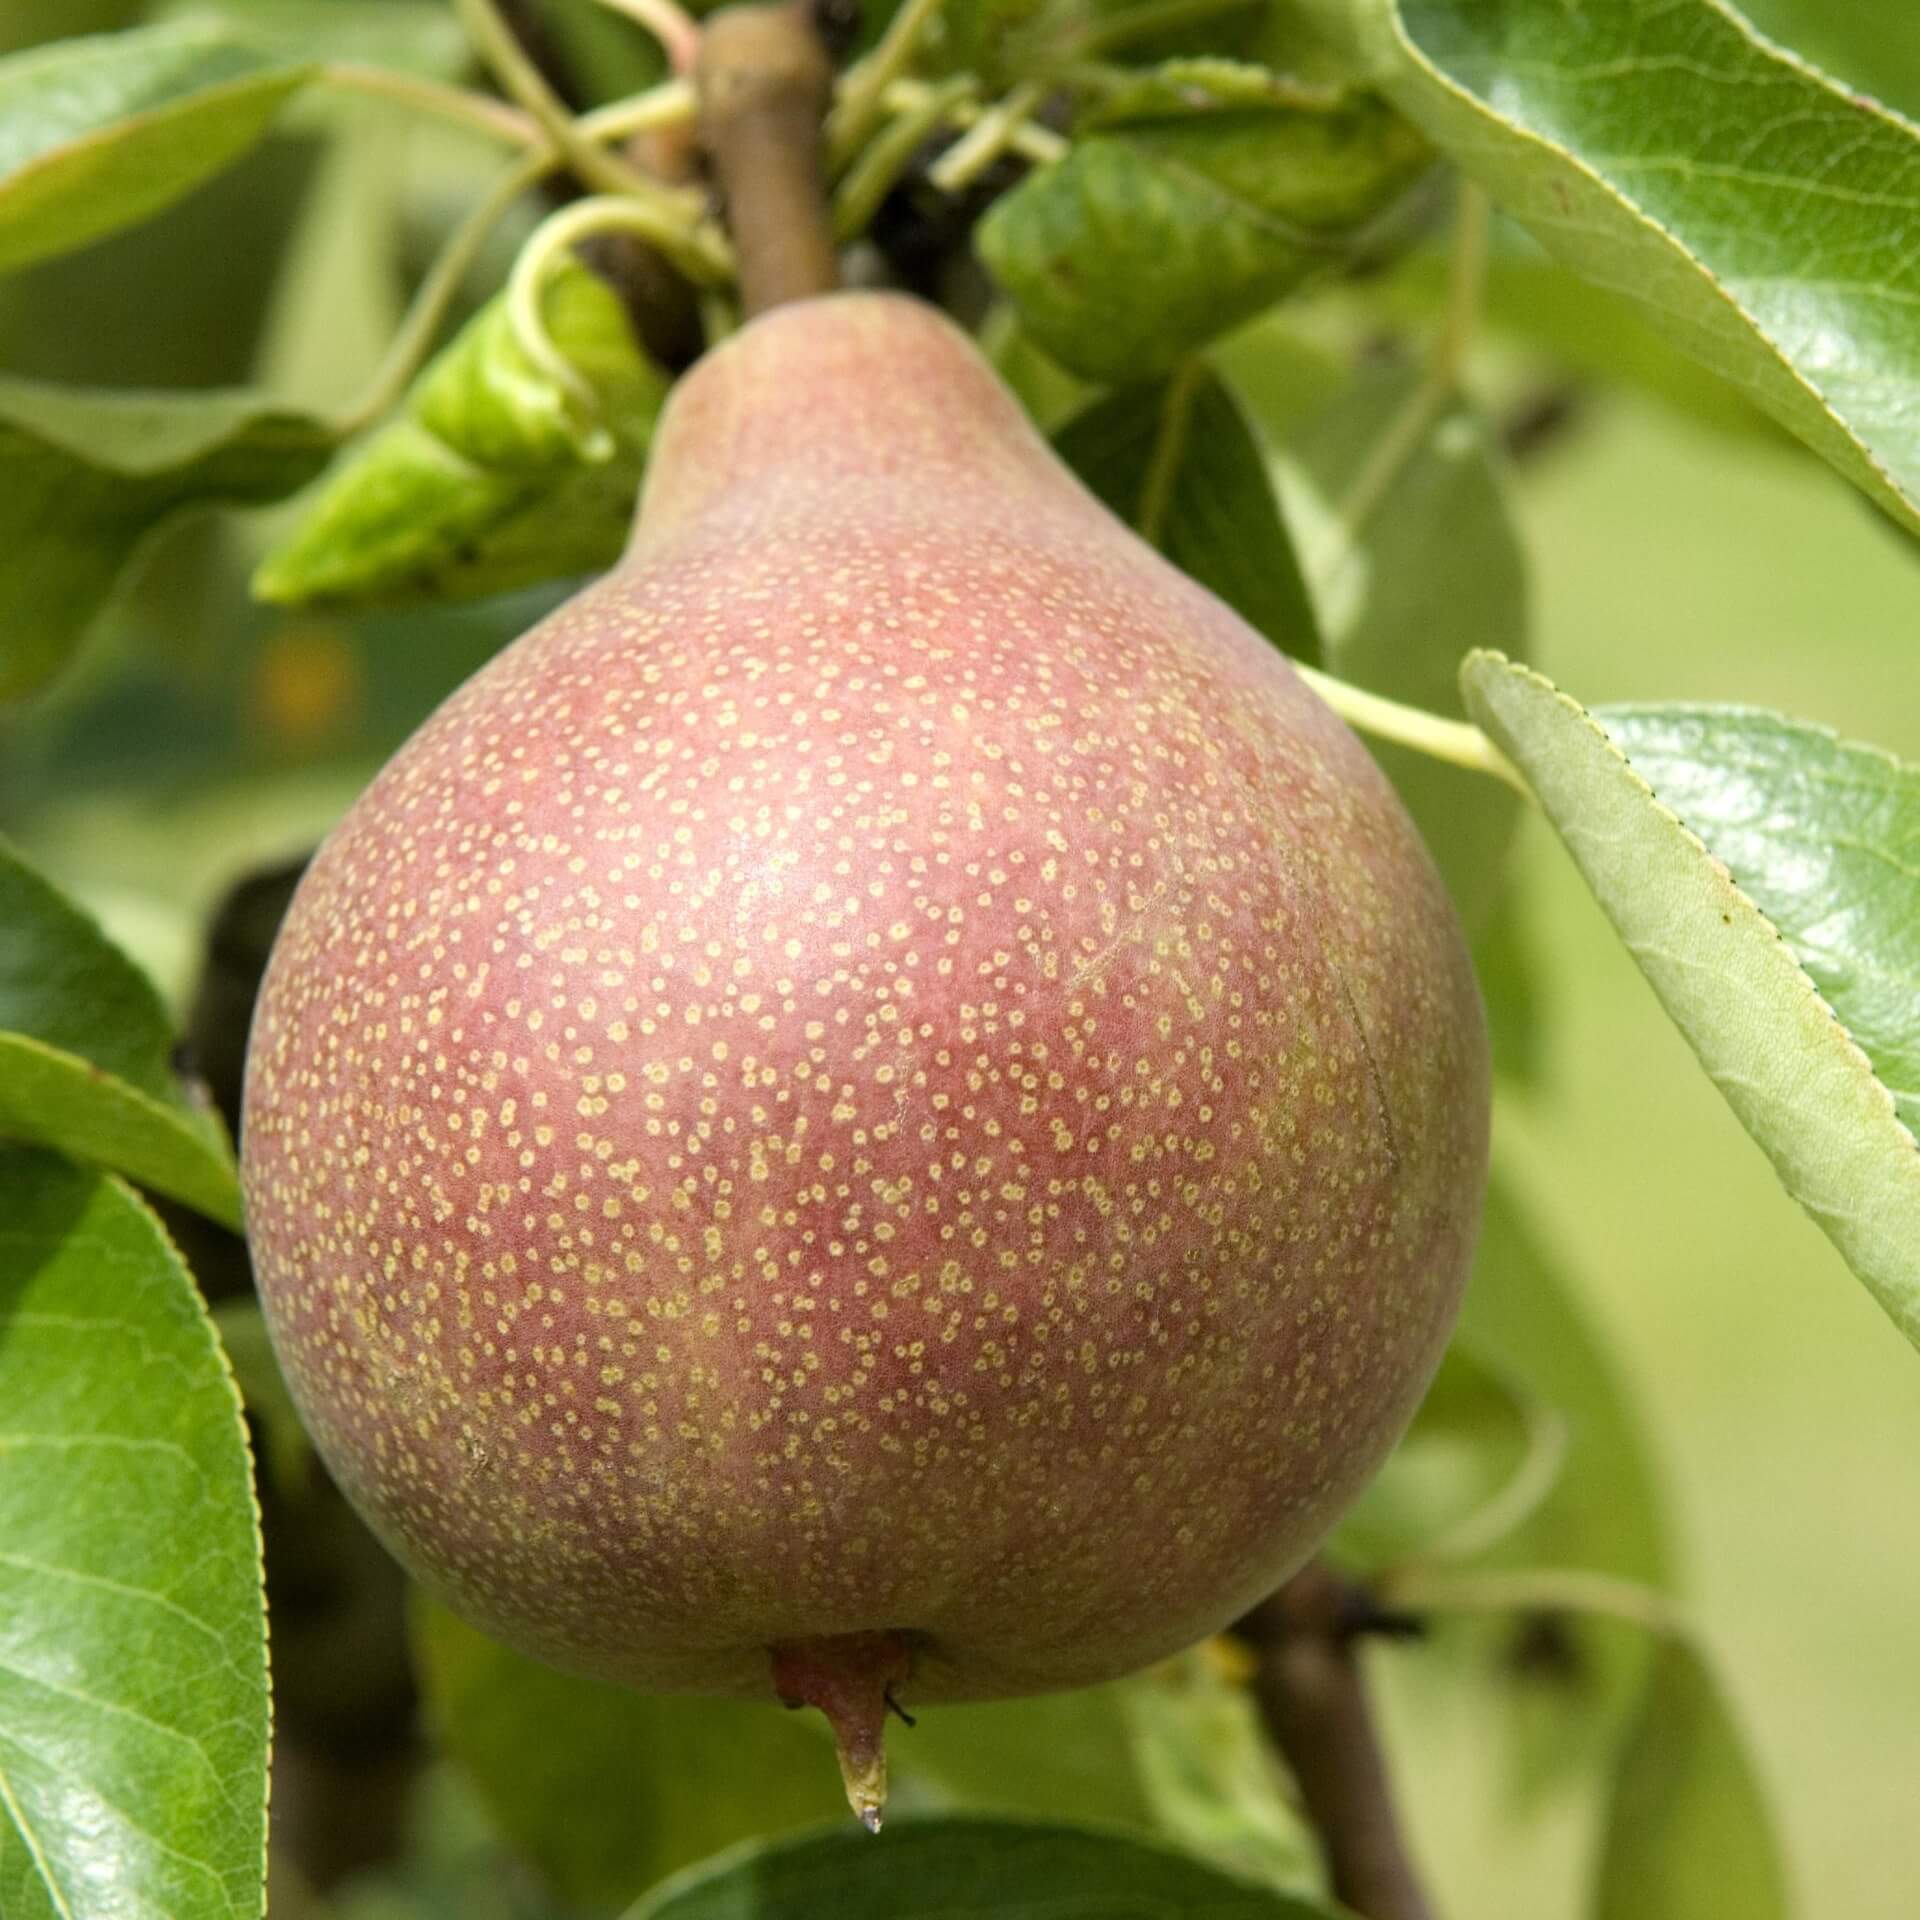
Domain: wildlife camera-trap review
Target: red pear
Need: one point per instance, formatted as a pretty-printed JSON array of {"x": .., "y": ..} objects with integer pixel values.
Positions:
[{"x": 886, "y": 1107}]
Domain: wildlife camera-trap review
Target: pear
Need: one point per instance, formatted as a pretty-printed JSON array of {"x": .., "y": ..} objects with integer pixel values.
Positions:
[{"x": 886, "y": 1108}]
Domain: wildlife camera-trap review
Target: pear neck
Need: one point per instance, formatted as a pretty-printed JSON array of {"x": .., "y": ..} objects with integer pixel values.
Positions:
[{"x": 872, "y": 392}]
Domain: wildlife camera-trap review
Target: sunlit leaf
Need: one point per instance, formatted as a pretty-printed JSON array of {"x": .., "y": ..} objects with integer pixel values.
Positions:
[
  {"x": 1762, "y": 217},
  {"x": 1823, "y": 836},
  {"x": 485, "y": 481},
  {"x": 133, "y": 1685},
  {"x": 86, "y": 1054},
  {"x": 1789, "y": 1068},
  {"x": 96, "y": 133}
]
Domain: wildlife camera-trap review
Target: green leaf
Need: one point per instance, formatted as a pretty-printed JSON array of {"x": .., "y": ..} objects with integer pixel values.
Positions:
[
  {"x": 1688, "y": 1830},
  {"x": 1762, "y": 217},
  {"x": 415, "y": 36},
  {"x": 1522, "y": 1316},
  {"x": 133, "y": 1684},
  {"x": 966, "y": 1870},
  {"x": 1212, "y": 1777},
  {"x": 97, "y": 133},
  {"x": 86, "y": 475},
  {"x": 1433, "y": 569},
  {"x": 485, "y": 482},
  {"x": 86, "y": 1054},
  {"x": 1055, "y": 1756},
  {"x": 1798, "y": 1081},
  {"x": 1552, "y": 1695},
  {"x": 1478, "y": 1460},
  {"x": 1177, "y": 462},
  {"x": 1863, "y": 42},
  {"x": 1156, "y": 233},
  {"x": 605, "y": 1790},
  {"x": 1823, "y": 836}
]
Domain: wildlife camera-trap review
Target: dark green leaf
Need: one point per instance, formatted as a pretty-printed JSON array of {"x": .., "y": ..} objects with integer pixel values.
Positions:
[
  {"x": 85, "y": 1053},
  {"x": 1823, "y": 836},
  {"x": 1760, "y": 216},
  {"x": 485, "y": 481},
  {"x": 86, "y": 475},
  {"x": 1157, "y": 233},
  {"x": 133, "y": 1686},
  {"x": 1688, "y": 1831},
  {"x": 604, "y": 1789},
  {"x": 1792, "y": 1073},
  {"x": 96, "y": 133},
  {"x": 1432, "y": 569},
  {"x": 967, "y": 1870},
  {"x": 1176, "y": 461}
]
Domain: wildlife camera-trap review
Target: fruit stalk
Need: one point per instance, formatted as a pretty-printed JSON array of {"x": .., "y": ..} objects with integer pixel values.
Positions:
[
  {"x": 1313, "y": 1699},
  {"x": 764, "y": 81}
]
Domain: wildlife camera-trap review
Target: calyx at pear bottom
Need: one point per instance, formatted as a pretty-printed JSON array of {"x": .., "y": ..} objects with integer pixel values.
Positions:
[{"x": 886, "y": 1108}]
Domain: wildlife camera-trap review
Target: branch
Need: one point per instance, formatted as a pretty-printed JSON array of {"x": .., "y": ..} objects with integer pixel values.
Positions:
[
  {"x": 1314, "y": 1701},
  {"x": 764, "y": 82}
]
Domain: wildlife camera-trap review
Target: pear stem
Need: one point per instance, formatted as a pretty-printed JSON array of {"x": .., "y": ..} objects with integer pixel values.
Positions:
[
  {"x": 764, "y": 81},
  {"x": 1457, "y": 742},
  {"x": 1313, "y": 1699},
  {"x": 850, "y": 1678}
]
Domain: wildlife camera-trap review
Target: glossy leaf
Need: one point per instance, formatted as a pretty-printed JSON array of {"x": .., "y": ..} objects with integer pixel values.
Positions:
[
  {"x": 967, "y": 1870},
  {"x": 604, "y": 1789},
  {"x": 1796, "y": 1078},
  {"x": 1688, "y": 1829},
  {"x": 485, "y": 481},
  {"x": 96, "y": 133},
  {"x": 1762, "y": 217},
  {"x": 1432, "y": 570},
  {"x": 85, "y": 1054},
  {"x": 133, "y": 1686},
  {"x": 1177, "y": 463},
  {"x": 1823, "y": 836},
  {"x": 86, "y": 475},
  {"x": 1157, "y": 232}
]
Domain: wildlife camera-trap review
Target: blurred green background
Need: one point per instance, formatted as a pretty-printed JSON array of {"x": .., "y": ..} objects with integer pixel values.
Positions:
[{"x": 1672, "y": 557}]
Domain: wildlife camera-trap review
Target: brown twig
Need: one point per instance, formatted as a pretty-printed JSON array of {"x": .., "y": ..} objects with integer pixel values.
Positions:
[
  {"x": 1313, "y": 1698},
  {"x": 764, "y": 81}
]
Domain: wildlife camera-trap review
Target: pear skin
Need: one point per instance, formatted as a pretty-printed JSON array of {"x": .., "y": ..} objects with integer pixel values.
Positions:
[{"x": 884, "y": 1109}]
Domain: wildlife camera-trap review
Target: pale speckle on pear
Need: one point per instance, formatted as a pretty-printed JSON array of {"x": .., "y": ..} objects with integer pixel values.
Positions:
[{"x": 888, "y": 1078}]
